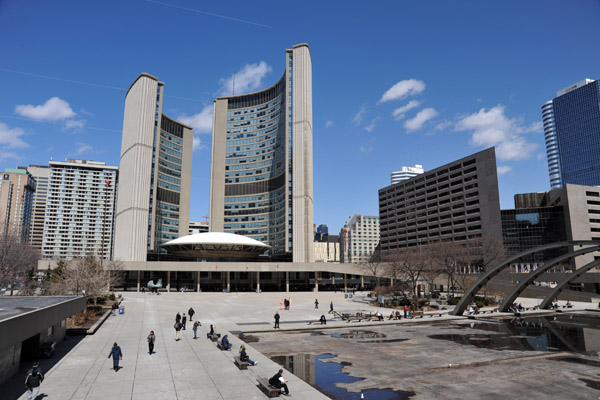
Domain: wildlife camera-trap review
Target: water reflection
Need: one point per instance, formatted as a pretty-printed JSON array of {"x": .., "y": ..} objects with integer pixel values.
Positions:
[
  {"x": 577, "y": 333},
  {"x": 324, "y": 375}
]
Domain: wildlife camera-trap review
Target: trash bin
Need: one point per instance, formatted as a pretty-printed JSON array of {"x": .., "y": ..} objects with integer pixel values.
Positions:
[
  {"x": 345, "y": 295},
  {"x": 350, "y": 295},
  {"x": 121, "y": 310}
]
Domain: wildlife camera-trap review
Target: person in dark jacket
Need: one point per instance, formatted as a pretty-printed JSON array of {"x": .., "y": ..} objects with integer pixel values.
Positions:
[
  {"x": 177, "y": 327},
  {"x": 33, "y": 380},
  {"x": 183, "y": 321},
  {"x": 116, "y": 354},
  {"x": 323, "y": 320},
  {"x": 330, "y": 307},
  {"x": 278, "y": 382},
  {"x": 211, "y": 332},
  {"x": 244, "y": 356},
  {"x": 276, "y": 316},
  {"x": 114, "y": 307},
  {"x": 178, "y": 318},
  {"x": 225, "y": 342},
  {"x": 151, "y": 340},
  {"x": 191, "y": 313}
]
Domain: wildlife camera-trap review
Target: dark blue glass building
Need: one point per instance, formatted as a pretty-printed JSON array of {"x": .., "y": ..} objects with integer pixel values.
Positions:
[{"x": 572, "y": 130}]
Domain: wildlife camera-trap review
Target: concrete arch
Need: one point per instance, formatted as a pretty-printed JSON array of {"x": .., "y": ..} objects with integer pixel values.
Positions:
[
  {"x": 531, "y": 277},
  {"x": 568, "y": 279},
  {"x": 470, "y": 293}
]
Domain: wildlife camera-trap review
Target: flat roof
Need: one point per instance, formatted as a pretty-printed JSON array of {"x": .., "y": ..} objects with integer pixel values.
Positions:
[{"x": 13, "y": 306}]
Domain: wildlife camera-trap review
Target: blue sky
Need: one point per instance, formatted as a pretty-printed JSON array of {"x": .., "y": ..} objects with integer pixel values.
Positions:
[{"x": 394, "y": 83}]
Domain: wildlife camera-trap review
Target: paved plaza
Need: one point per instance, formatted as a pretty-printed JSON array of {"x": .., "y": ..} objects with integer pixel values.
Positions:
[{"x": 197, "y": 369}]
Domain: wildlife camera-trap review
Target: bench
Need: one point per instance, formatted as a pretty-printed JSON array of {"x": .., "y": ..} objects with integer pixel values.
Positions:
[
  {"x": 214, "y": 337},
  {"x": 316, "y": 322},
  {"x": 221, "y": 347},
  {"x": 240, "y": 364},
  {"x": 435, "y": 315},
  {"x": 269, "y": 390},
  {"x": 417, "y": 314}
]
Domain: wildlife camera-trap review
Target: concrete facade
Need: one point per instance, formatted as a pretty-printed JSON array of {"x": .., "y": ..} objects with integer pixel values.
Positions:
[
  {"x": 359, "y": 238},
  {"x": 153, "y": 198},
  {"x": 80, "y": 209},
  {"x": 41, "y": 173},
  {"x": 262, "y": 166},
  {"x": 17, "y": 189},
  {"x": 25, "y": 331},
  {"x": 457, "y": 201}
]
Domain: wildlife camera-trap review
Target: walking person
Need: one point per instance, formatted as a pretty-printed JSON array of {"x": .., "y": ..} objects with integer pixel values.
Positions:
[
  {"x": 183, "y": 321},
  {"x": 117, "y": 355},
  {"x": 330, "y": 307},
  {"x": 177, "y": 327},
  {"x": 33, "y": 380},
  {"x": 276, "y": 316},
  {"x": 151, "y": 340},
  {"x": 195, "y": 328},
  {"x": 278, "y": 381},
  {"x": 191, "y": 313},
  {"x": 316, "y": 303},
  {"x": 178, "y": 318}
]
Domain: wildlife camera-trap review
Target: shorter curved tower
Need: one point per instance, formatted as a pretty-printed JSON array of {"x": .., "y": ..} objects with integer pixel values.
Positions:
[
  {"x": 551, "y": 145},
  {"x": 262, "y": 168}
]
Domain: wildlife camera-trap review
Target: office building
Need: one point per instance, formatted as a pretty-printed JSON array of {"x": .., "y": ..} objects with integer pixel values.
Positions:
[
  {"x": 198, "y": 227},
  {"x": 262, "y": 170},
  {"x": 572, "y": 131},
  {"x": 327, "y": 250},
  {"x": 41, "y": 174},
  {"x": 458, "y": 201},
  {"x": 321, "y": 233},
  {"x": 153, "y": 204},
  {"x": 359, "y": 238},
  {"x": 80, "y": 209},
  {"x": 406, "y": 173},
  {"x": 17, "y": 189}
]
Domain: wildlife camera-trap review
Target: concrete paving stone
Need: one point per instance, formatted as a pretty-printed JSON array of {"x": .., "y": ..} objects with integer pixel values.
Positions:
[{"x": 151, "y": 386}]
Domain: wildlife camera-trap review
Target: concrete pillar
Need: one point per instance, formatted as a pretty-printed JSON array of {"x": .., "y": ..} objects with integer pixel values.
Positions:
[
  {"x": 316, "y": 281},
  {"x": 391, "y": 282},
  {"x": 228, "y": 282},
  {"x": 257, "y": 281},
  {"x": 168, "y": 281},
  {"x": 198, "y": 281},
  {"x": 362, "y": 281},
  {"x": 138, "y": 283},
  {"x": 287, "y": 281},
  {"x": 345, "y": 283}
]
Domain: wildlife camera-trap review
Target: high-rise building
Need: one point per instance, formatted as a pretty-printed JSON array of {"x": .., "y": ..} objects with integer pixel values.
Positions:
[
  {"x": 458, "y": 201},
  {"x": 322, "y": 233},
  {"x": 17, "y": 189},
  {"x": 359, "y": 238},
  {"x": 41, "y": 174},
  {"x": 198, "y": 227},
  {"x": 262, "y": 163},
  {"x": 153, "y": 205},
  {"x": 406, "y": 173},
  {"x": 80, "y": 209},
  {"x": 572, "y": 130}
]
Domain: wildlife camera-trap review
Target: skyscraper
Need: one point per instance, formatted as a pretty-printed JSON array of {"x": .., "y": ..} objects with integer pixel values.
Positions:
[
  {"x": 41, "y": 174},
  {"x": 572, "y": 130},
  {"x": 153, "y": 203},
  {"x": 406, "y": 173},
  {"x": 17, "y": 188},
  {"x": 79, "y": 210},
  {"x": 262, "y": 168}
]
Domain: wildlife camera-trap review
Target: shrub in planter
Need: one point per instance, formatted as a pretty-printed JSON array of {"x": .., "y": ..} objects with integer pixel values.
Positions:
[{"x": 452, "y": 301}]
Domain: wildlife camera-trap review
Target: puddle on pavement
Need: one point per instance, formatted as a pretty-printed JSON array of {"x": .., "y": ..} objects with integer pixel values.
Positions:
[
  {"x": 578, "y": 360},
  {"x": 324, "y": 375},
  {"x": 250, "y": 339},
  {"x": 576, "y": 333},
  {"x": 383, "y": 341},
  {"x": 591, "y": 383},
  {"x": 358, "y": 335}
]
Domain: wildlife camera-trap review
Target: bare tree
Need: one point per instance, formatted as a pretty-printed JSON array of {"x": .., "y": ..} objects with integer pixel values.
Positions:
[
  {"x": 18, "y": 262},
  {"x": 409, "y": 265},
  {"x": 450, "y": 257},
  {"x": 83, "y": 276},
  {"x": 374, "y": 267},
  {"x": 486, "y": 251}
]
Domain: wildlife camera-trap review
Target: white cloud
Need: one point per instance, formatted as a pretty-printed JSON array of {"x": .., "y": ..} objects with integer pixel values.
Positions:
[
  {"x": 55, "y": 109},
  {"x": 494, "y": 128},
  {"x": 360, "y": 115},
  {"x": 201, "y": 122},
  {"x": 371, "y": 126},
  {"x": 400, "y": 111},
  {"x": 366, "y": 149},
  {"x": 8, "y": 155},
  {"x": 11, "y": 137},
  {"x": 248, "y": 79},
  {"x": 503, "y": 169},
  {"x": 74, "y": 124},
  {"x": 197, "y": 144},
  {"x": 443, "y": 125},
  {"x": 408, "y": 87},
  {"x": 420, "y": 119},
  {"x": 328, "y": 124},
  {"x": 82, "y": 148}
]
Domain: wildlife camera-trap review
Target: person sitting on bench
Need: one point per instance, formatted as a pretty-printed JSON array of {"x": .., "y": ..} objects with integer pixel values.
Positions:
[
  {"x": 278, "y": 382},
  {"x": 323, "y": 320},
  {"x": 225, "y": 343},
  {"x": 398, "y": 315},
  {"x": 212, "y": 332},
  {"x": 244, "y": 356}
]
